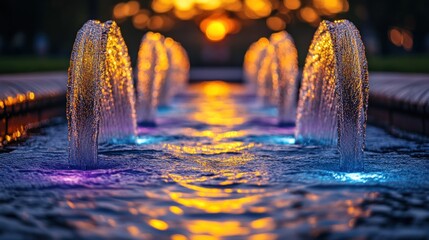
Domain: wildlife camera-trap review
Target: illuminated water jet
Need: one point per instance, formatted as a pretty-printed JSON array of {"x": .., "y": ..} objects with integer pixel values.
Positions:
[
  {"x": 271, "y": 69},
  {"x": 284, "y": 71},
  {"x": 252, "y": 63},
  {"x": 100, "y": 93},
  {"x": 152, "y": 70},
  {"x": 333, "y": 100},
  {"x": 178, "y": 72},
  {"x": 264, "y": 92}
]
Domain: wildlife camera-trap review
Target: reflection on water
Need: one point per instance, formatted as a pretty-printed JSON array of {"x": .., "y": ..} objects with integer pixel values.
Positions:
[
  {"x": 211, "y": 171},
  {"x": 216, "y": 107}
]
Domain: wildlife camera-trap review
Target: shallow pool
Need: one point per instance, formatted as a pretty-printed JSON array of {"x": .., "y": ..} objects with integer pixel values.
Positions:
[{"x": 217, "y": 166}]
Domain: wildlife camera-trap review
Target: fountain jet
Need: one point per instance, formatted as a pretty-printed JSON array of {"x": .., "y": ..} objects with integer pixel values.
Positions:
[
  {"x": 252, "y": 63},
  {"x": 284, "y": 71},
  {"x": 271, "y": 69},
  {"x": 152, "y": 70},
  {"x": 264, "y": 92},
  {"x": 333, "y": 100},
  {"x": 178, "y": 72},
  {"x": 100, "y": 93}
]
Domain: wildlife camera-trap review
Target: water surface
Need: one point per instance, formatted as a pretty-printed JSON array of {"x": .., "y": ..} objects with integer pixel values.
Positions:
[{"x": 217, "y": 166}]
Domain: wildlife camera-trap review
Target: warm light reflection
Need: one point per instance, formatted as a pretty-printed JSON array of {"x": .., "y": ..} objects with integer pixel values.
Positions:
[
  {"x": 14, "y": 134},
  {"x": 215, "y": 134},
  {"x": 225, "y": 193},
  {"x": 217, "y": 229},
  {"x": 217, "y": 148},
  {"x": 214, "y": 107},
  {"x": 158, "y": 224},
  {"x": 18, "y": 98}
]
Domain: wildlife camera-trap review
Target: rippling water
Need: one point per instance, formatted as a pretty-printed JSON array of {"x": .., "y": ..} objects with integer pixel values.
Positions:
[{"x": 215, "y": 167}]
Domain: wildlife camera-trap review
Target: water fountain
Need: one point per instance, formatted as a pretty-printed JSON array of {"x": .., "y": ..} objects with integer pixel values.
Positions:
[
  {"x": 252, "y": 63},
  {"x": 208, "y": 163},
  {"x": 271, "y": 68},
  {"x": 178, "y": 72},
  {"x": 152, "y": 70},
  {"x": 334, "y": 93},
  {"x": 284, "y": 71},
  {"x": 100, "y": 93},
  {"x": 264, "y": 93}
]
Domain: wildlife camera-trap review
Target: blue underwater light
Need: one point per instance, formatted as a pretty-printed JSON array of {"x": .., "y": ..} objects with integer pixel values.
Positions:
[{"x": 359, "y": 177}]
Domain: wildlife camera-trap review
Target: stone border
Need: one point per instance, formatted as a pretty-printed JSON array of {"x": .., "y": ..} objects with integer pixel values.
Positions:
[
  {"x": 28, "y": 100},
  {"x": 399, "y": 100}
]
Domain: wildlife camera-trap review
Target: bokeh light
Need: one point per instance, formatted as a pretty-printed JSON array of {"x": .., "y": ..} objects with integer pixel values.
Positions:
[
  {"x": 401, "y": 38},
  {"x": 219, "y": 18}
]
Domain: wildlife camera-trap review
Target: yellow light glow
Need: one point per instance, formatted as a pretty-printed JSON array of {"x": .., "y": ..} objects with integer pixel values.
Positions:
[
  {"x": 183, "y": 5},
  {"x": 133, "y": 7},
  {"x": 118, "y": 11},
  {"x": 176, "y": 210},
  {"x": 156, "y": 23},
  {"x": 31, "y": 96},
  {"x": 309, "y": 15},
  {"x": 235, "y": 6},
  {"x": 216, "y": 30},
  {"x": 265, "y": 236},
  {"x": 162, "y": 6},
  {"x": 292, "y": 4},
  {"x": 266, "y": 224},
  {"x": 209, "y": 5},
  {"x": 158, "y": 224},
  {"x": 217, "y": 229},
  {"x": 261, "y": 8},
  {"x": 276, "y": 23},
  {"x": 185, "y": 15},
  {"x": 178, "y": 237},
  {"x": 141, "y": 19},
  {"x": 330, "y": 7}
]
